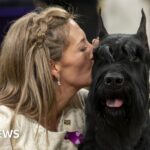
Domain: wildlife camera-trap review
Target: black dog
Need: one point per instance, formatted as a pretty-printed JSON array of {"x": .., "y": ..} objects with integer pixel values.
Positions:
[{"x": 117, "y": 112}]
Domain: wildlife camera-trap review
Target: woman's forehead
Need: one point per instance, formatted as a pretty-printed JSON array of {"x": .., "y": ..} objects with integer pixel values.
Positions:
[{"x": 76, "y": 33}]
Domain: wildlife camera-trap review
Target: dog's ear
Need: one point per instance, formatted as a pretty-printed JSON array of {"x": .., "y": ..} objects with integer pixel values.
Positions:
[
  {"x": 141, "y": 33},
  {"x": 102, "y": 30}
]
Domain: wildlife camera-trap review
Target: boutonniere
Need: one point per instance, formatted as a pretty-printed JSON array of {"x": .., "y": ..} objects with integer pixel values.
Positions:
[{"x": 75, "y": 137}]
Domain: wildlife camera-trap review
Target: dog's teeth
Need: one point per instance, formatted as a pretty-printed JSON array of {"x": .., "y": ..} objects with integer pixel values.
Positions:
[{"x": 115, "y": 103}]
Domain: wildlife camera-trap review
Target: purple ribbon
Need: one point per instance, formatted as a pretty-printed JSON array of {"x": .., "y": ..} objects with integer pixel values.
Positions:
[{"x": 75, "y": 137}]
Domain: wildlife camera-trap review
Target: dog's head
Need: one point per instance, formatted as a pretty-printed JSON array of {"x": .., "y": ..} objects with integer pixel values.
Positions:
[{"x": 120, "y": 73}]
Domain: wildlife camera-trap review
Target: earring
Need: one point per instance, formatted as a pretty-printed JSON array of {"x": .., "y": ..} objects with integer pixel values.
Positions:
[{"x": 58, "y": 81}]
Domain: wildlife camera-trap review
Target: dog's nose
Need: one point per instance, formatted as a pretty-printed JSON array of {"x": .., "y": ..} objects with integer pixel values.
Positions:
[{"x": 114, "y": 79}]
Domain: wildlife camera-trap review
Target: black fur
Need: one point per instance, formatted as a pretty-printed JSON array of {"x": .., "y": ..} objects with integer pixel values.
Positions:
[{"x": 117, "y": 109}]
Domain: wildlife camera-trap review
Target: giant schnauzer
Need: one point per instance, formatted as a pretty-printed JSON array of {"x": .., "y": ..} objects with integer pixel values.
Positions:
[{"x": 117, "y": 111}]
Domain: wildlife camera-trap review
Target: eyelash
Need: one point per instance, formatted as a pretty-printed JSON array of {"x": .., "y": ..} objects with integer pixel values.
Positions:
[{"x": 83, "y": 49}]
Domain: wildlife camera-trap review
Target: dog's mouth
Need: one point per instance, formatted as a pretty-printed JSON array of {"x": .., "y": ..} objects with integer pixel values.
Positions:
[
  {"x": 114, "y": 103},
  {"x": 113, "y": 99}
]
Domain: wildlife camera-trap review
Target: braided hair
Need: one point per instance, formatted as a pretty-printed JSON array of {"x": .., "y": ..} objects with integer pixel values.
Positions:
[{"x": 26, "y": 83}]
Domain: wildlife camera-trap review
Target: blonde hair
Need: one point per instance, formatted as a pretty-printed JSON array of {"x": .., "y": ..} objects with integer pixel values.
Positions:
[{"x": 26, "y": 83}]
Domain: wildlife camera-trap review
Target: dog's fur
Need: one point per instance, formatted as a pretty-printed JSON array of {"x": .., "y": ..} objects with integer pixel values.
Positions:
[{"x": 117, "y": 112}]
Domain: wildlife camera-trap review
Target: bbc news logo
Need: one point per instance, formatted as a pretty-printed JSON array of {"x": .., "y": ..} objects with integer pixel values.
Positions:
[{"x": 9, "y": 134}]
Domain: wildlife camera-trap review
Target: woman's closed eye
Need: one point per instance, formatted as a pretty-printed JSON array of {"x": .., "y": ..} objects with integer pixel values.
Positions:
[{"x": 83, "y": 49}]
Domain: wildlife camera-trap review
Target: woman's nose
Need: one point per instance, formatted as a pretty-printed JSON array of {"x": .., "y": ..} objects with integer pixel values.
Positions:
[
  {"x": 91, "y": 48},
  {"x": 95, "y": 42}
]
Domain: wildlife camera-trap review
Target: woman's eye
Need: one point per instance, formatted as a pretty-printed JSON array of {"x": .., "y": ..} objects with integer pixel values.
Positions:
[{"x": 83, "y": 49}]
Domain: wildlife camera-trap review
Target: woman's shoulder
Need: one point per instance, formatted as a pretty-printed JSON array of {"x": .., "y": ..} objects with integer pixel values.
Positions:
[
  {"x": 78, "y": 101},
  {"x": 6, "y": 115},
  {"x": 83, "y": 93},
  {"x": 27, "y": 129},
  {"x": 5, "y": 119},
  {"x": 5, "y": 110}
]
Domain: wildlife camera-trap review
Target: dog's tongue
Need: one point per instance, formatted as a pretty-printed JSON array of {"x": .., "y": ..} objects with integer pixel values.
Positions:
[{"x": 114, "y": 103}]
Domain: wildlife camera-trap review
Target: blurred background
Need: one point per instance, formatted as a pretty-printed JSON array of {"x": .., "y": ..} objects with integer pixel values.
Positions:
[
  {"x": 120, "y": 16},
  {"x": 12, "y": 9},
  {"x": 124, "y": 16}
]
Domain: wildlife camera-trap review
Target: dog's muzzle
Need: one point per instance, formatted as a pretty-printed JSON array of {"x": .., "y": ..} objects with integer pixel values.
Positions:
[{"x": 114, "y": 80}]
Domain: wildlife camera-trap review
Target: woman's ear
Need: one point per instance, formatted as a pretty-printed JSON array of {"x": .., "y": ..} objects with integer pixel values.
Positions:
[{"x": 55, "y": 69}]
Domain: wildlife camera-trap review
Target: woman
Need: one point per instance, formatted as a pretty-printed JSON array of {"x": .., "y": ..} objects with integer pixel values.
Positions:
[{"x": 45, "y": 61}]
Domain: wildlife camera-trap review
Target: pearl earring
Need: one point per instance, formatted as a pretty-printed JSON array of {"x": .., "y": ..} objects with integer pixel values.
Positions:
[{"x": 58, "y": 81}]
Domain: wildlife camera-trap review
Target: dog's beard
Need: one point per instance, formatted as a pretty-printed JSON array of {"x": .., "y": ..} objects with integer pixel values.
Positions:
[
  {"x": 118, "y": 106},
  {"x": 121, "y": 109}
]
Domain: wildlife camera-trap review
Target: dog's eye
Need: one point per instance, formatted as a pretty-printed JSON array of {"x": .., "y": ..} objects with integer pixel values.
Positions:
[
  {"x": 137, "y": 56},
  {"x": 135, "y": 59},
  {"x": 124, "y": 51},
  {"x": 134, "y": 54}
]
